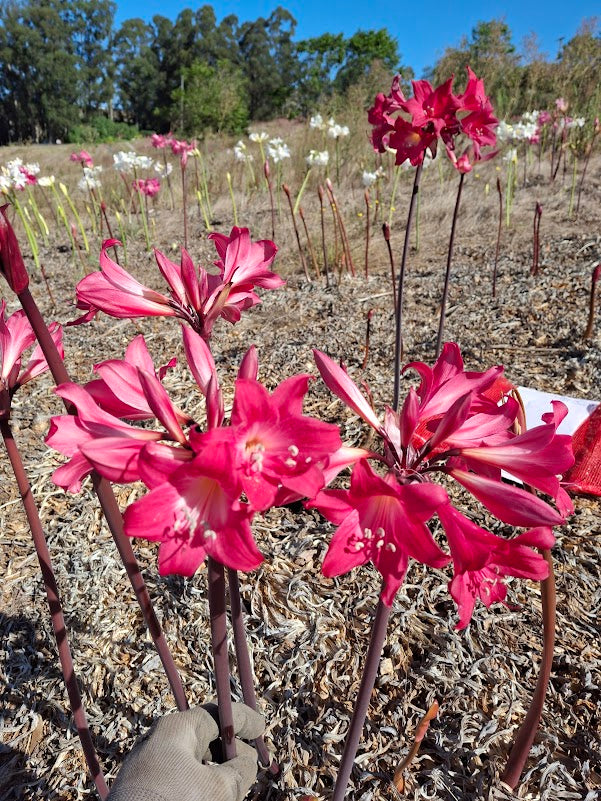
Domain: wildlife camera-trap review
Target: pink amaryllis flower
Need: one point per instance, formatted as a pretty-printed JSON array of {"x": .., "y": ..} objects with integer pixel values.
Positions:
[
  {"x": 12, "y": 266},
  {"x": 195, "y": 513},
  {"x": 161, "y": 141},
  {"x": 383, "y": 522},
  {"x": 273, "y": 446},
  {"x": 460, "y": 424},
  {"x": 482, "y": 561},
  {"x": 147, "y": 186},
  {"x": 197, "y": 297},
  {"x": 16, "y": 337}
]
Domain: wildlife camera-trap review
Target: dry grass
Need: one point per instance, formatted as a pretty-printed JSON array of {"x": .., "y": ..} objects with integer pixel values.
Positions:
[{"x": 309, "y": 635}]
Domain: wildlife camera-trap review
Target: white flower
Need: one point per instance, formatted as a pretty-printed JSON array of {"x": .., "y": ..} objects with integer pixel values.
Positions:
[
  {"x": 32, "y": 168},
  {"x": 258, "y": 137},
  {"x": 317, "y": 122},
  {"x": 530, "y": 116},
  {"x": 47, "y": 180},
  {"x": 128, "y": 161},
  {"x": 577, "y": 122},
  {"x": 504, "y": 131},
  {"x": 5, "y": 183},
  {"x": 241, "y": 153},
  {"x": 335, "y": 131},
  {"x": 318, "y": 158},
  {"x": 278, "y": 150},
  {"x": 369, "y": 178},
  {"x": 511, "y": 156},
  {"x": 163, "y": 170},
  {"x": 90, "y": 179}
]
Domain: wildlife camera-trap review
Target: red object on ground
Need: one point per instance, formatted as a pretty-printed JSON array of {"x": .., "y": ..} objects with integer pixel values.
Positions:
[{"x": 585, "y": 475}]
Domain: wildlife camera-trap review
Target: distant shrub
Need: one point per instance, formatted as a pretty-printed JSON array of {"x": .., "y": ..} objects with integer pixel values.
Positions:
[{"x": 101, "y": 129}]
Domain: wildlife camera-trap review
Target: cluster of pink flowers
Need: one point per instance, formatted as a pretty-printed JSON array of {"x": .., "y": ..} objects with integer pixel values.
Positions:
[
  {"x": 205, "y": 485},
  {"x": 432, "y": 114},
  {"x": 197, "y": 297},
  {"x": 147, "y": 186},
  {"x": 83, "y": 158},
  {"x": 179, "y": 147},
  {"x": 453, "y": 425}
]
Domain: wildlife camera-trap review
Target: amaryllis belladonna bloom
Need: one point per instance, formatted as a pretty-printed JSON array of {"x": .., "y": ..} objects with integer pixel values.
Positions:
[
  {"x": 16, "y": 336},
  {"x": 147, "y": 186},
  {"x": 197, "y": 297},
  {"x": 83, "y": 157},
  {"x": 412, "y": 126},
  {"x": 456, "y": 423}
]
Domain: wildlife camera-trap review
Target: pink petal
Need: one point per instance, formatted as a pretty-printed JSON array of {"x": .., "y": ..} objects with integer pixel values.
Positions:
[{"x": 338, "y": 382}]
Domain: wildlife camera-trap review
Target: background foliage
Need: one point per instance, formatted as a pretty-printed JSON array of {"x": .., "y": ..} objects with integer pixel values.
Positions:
[{"x": 67, "y": 73}]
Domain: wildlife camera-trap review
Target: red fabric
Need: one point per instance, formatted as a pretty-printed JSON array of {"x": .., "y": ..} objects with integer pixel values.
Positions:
[{"x": 585, "y": 475}]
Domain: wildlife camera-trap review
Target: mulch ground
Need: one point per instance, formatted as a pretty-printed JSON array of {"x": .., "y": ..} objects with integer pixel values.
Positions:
[{"x": 308, "y": 635}]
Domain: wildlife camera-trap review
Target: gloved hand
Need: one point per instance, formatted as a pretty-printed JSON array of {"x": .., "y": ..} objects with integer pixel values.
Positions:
[{"x": 168, "y": 765}]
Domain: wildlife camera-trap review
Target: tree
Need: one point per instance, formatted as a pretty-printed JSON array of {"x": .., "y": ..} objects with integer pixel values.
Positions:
[
  {"x": 211, "y": 98},
  {"x": 361, "y": 50},
  {"x": 579, "y": 69},
  {"x": 137, "y": 72},
  {"x": 38, "y": 90}
]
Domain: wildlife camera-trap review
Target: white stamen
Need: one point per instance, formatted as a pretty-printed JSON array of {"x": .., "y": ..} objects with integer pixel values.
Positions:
[
  {"x": 290, "y": 462},
  {"x": 308, "y": 460},
  {"x": 368, "y": 534},
  {"x": 292, "y": 450},
  {"x": 379, "y": 543},
  {"x": 380, "y": 532},
  {"x": 209, "y": 534},
  {"x": 359, "y": 545},
  {"x": 390, "y": 546}
]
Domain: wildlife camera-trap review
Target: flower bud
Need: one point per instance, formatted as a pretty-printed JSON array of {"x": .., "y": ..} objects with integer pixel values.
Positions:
[{"x": 11, "y": 260}]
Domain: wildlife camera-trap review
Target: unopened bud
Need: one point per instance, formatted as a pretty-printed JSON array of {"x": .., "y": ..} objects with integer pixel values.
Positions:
[
  {"x": 12, "y": 266},
  {"x": 266, "y": 170},
  {"x": 597, "y": 272},
  {"x": 386, "y": 231}
]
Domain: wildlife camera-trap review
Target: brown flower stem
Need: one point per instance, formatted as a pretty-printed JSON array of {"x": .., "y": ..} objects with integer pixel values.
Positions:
[
  {"x": 368, "y": 679},
  {"x": 370, "y": 314},
  {"x": 47, "y": 283},
  {"x": 367, "y": 208},
  {"x": 168, "y": 177},
  {"x": 586, "y": 161},
  {"x": 525, "y": 736},
  {"x": 343, "y": 235},
  {"x": 323, "y": 235},
  {"x": 298, "y": 241},
  {"x": 538, "y": 211},
  {"x": 109, "y": 229},
  {"x": 398, "y": 339},
  {"x": 591, "y": 308},
  {"x": 498, "y": 247},
  {"x": 184, "y": 203},
  {"x": 301, "y": 214},
  {"x": 445, "y": 292},
  {"x": 216, "y": 579},
  {"x": 386, "y": 233},
  {"x": 110, "y": 508},
  {"x": 244, "y": 666},
  {"x": 56, "y": 611}
]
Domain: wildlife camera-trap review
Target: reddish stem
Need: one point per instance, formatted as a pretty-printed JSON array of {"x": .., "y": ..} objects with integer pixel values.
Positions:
[
  {"x": 184, "y": 202},
  {"x": 221, "y": 662},
  {"x": 494, "y": 272},
  {"x": 525, "y": 737},
  {"x": 386, "y": 232},
  {"x": 301, "y": 214},
  {"x": 323, "y": 235},
  {"x": 56, "y": 611},
  {"x": 298, "y": 242},
  {"x": 244, "y": 666},
  {"x": 398, "y": 339},
  {"x": 367, "y": 208},
  {"x": 445, "y": 291},
  {"x": 370, "y": 671}
]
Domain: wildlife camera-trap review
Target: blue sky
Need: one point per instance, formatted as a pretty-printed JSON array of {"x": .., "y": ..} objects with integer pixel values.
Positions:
[{"x": 422, "y": 31}]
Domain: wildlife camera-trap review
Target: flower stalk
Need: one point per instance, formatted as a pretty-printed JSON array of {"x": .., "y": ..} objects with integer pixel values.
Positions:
[{"x": 445, "y": 292}]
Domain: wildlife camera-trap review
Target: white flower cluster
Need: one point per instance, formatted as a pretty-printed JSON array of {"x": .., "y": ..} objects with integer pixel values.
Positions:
[
  {"x": 511, "y": 157},
  {"x": 258, "y": 137},
  {"x": 369, "y": 178},
  {"x": 335, "y": 131},
  {"x": 14, "y": 174},
  {"x": 241, "y": 152},
  {"x": 317, "y": 122},
  {"x": 90, "y": 179},
  {"x": 129, "y": 161},
  {"x": 577, "y": 122},
  {"x": 318, "y": 158},
  {"x": 278, "y": 150},
  {"x": 47, "y": 180},
  {"x": 526, "y": 130}
]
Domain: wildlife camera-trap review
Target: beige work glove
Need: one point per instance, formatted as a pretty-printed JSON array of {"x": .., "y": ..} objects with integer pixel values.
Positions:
[{"x": 168, "y": 765}]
